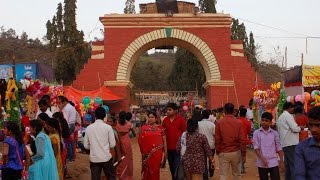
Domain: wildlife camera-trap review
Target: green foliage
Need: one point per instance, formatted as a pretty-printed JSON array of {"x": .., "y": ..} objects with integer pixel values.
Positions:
[
  {"x": 187, "y": 73},
  {"x": 20, "y": 46},
  {"x": 282, "y": 100},
  {"x": 130, "y": 7},
  {"x": 71, "y": 51},
  {"x": 208, "y": 6},
  {"x": 14, "y": 110},
  {"x": 151, "y": 72},
  {"x": 238, "y": 32}
]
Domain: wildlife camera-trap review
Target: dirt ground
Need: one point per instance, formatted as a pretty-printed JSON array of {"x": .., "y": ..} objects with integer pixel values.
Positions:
[{"x": 80, "y": 170}]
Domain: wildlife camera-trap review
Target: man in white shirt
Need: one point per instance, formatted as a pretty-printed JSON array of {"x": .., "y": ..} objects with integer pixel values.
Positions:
[
  {"x": 207, "y": 128},
  {"x": 289, "y": 138},
  {"x": 43, "y": 108},
  {"x": 69, "y": 113},
  {"x": 99, "y": 139}
]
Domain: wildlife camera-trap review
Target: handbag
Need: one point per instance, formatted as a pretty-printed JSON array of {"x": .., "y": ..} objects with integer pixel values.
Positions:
[{"x": 180, "y": 171}]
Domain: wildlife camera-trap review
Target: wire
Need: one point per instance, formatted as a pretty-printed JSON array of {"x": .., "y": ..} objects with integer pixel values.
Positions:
[{"x": 271, "y": 27}]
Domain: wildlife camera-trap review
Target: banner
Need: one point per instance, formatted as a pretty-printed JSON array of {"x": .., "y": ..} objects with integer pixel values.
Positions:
[
  {"x": 5, "y": 70},
  {"x": 310, "y": 76},
  {"x": 26, "y": 71},
  {"x": 22, "y": 71}
]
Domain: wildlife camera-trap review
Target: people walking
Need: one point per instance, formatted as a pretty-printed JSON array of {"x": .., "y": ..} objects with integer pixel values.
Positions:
[
  {"x": 307, "y": 155},
  {"x": 228, "y": 142},
  {"x": 13, "y": 153},
  {"x": 302, "y": 120},
  {"x": 246, "y": 126},
  {"x": 53, "y": 127},
  {"x": 44, "y": 165},
  {"x": 289, "y": 136},
  {"x": 196, "y": 152},
  {"x": 207, "y": 128},
  {"x": 70, "y": 114},
  {"x": 266, "y": 143},
  {"x": 152, "y": 143},
  {"x": 99, "y": 139},
  {"x": 174, "y": 126},
  {"x": 124, "y": 127}
]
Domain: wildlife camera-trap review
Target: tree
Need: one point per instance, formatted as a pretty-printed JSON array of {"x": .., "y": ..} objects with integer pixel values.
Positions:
[
  {"x": 187, "y": 73},
  {"x": 70, "y": 24},
  {"x": 24, "y": 37},
  {"x": 251, "y": 51},
  {"x": 208, "y": 6},
  {"x": 238, "y": 32},
  {"x": 59, "y": 25},
  {"x": 71, "y": 51},
  {"x": 130, "y": 7}
]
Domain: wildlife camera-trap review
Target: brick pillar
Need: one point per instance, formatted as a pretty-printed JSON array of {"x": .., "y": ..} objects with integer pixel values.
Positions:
[
  {"x": 123, "y": 90},
  {"x": 219, "y": 93}
]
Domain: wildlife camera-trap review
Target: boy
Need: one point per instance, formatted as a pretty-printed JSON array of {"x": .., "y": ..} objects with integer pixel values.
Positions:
[
  {"x": 307, "y": 157},
  {"x": 266, "y": 142}
]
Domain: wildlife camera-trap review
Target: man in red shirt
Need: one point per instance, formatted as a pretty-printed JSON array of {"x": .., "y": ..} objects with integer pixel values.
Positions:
[
  {"x": 174, "y": 125},
  {"x": 246, "y": 126},
  {"x": 228, "y": 142}
]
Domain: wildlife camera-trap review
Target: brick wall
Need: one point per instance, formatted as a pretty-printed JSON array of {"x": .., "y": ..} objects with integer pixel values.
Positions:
[{"x": 218, "y": 39}]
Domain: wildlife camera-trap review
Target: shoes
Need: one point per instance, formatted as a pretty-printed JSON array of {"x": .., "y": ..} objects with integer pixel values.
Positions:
[
  {"x": 70, "y": 161},
  {"x": 67, "y": 176}
]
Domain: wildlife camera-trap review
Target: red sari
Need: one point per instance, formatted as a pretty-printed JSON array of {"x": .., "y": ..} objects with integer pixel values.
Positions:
[
  {"x": 151, "y": 147},
  {"x": 125, "y": 167}
]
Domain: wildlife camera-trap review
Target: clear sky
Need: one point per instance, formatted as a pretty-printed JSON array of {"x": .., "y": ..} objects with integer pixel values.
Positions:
[{"x": 295, "y": 18}]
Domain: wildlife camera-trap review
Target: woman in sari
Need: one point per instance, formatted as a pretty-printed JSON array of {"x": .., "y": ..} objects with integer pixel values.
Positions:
[
  {"x": 126, "y": 165},
  {"x": 45, "y": 166},
  {"x": 53, "y": 127},
  {"x": 152, "y": 142}
]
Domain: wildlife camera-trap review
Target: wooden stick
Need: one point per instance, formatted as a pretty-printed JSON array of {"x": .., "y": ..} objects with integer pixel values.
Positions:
[{"x": 235, "y": 89}]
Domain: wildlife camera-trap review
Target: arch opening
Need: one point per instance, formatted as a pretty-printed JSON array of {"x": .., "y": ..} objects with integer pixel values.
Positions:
[{"x": 165, "y": 37}]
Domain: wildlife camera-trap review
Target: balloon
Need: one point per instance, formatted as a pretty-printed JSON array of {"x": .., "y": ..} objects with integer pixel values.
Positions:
[
  {"x": 87, "y": 117},
  {"x": 306, "y": 96},
  {"x": 106, "y": 108},
  {"x": 289, "y": 99},
  {"x": 86, "y": 100},
  {"x": 314, "y": 93},
  {"x": 185, "y": 108},
  {"x": 185, "y": 103},
  {"x": 98, "y": 100},
  {"x": 298, "y": 98}
]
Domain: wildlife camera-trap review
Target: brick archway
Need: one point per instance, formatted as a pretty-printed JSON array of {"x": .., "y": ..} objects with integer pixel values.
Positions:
[
  {"x": 229, "y": 75},
  {"x": 168, "y": 36}
]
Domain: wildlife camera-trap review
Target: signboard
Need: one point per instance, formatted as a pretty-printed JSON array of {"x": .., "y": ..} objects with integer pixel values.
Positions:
[
  {"x": 26, "y": 71},
  {"x": 22, "y": 71},
  {"x": 5, "y": 70},
  {"x": 310, "y": 76}
]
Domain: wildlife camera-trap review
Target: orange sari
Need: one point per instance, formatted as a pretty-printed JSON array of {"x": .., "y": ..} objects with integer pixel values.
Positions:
[{"x": 151, "y": 147}]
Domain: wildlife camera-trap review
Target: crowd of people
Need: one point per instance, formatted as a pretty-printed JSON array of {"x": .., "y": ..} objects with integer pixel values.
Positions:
[{"x": 189, "y": 143}]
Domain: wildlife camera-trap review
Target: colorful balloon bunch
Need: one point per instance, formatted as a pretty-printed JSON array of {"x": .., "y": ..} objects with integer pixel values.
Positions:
[{"x": 89, "y": 104}]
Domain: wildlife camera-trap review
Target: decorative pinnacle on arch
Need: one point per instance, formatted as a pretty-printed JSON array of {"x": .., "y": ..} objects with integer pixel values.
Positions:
[{"x": 130, "y": 7}]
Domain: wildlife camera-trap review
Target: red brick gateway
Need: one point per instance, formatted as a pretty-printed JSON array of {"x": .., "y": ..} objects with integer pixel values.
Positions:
[{"x": 229, "y": 75}]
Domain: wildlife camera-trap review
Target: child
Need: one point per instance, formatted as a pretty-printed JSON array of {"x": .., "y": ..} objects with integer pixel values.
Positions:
[
  {"x": 53, "y": 127},
  {"x": 14, "y": 153},
  {"x": 266, "y": 142}
]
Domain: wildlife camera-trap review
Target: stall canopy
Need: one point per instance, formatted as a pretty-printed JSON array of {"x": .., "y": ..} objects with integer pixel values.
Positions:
[{"x": 77, "y": 95}]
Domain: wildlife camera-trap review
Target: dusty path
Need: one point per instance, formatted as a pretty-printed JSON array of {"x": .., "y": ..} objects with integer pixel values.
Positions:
[{"x": 80, "y": 169}]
